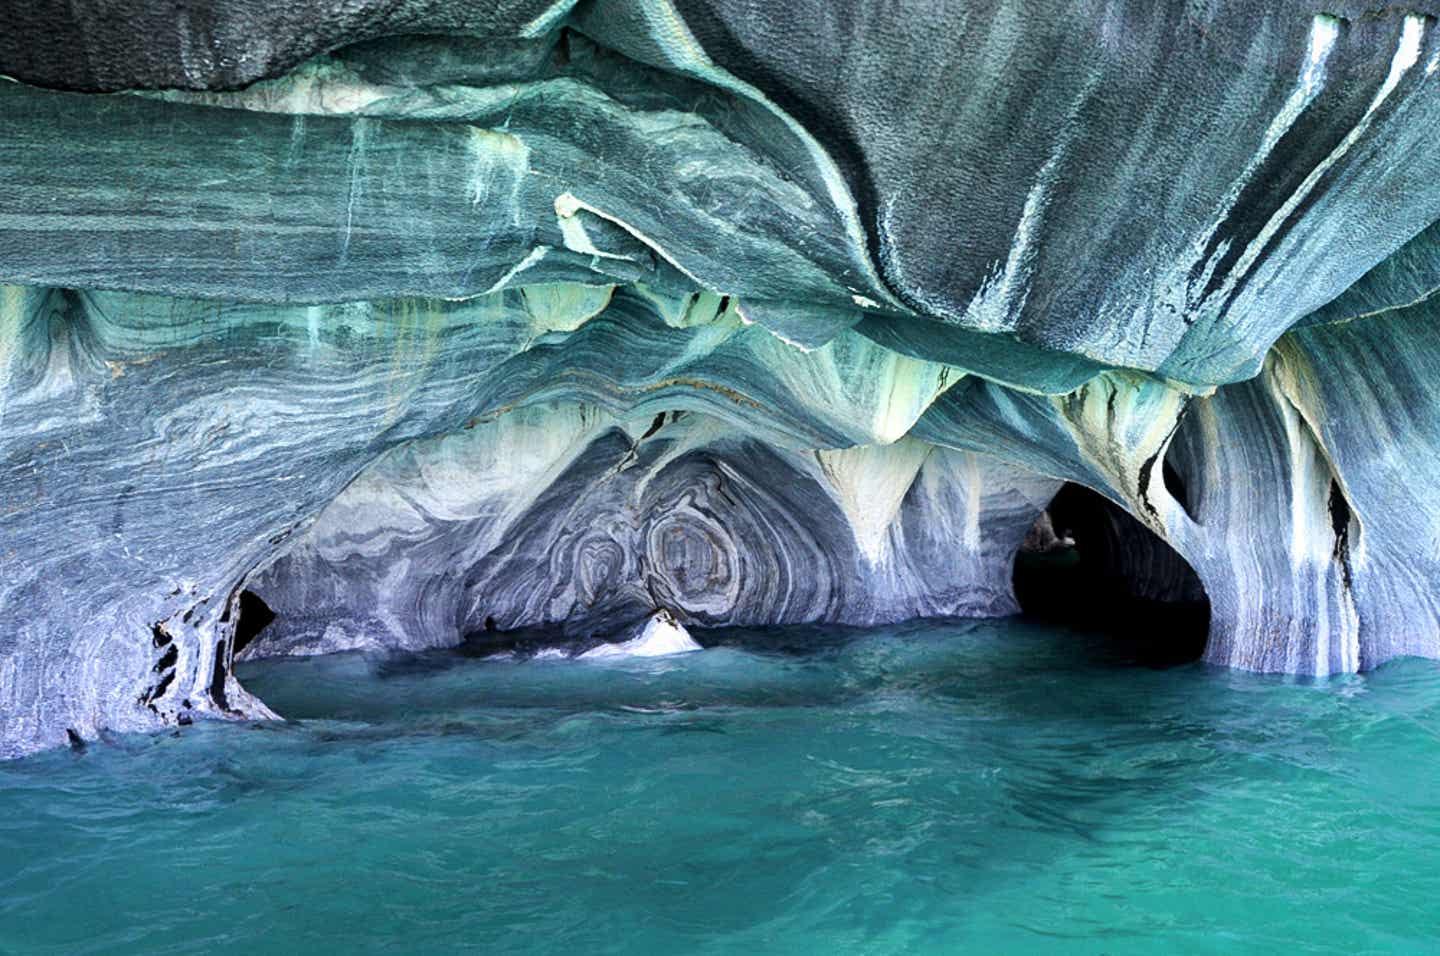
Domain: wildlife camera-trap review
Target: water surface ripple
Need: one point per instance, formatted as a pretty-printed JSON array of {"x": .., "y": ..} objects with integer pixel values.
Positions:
[{"x": 930, "y": 788}]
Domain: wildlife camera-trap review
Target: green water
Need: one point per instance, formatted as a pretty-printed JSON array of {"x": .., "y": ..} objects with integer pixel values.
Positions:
[{"x": 994, "y": 787}]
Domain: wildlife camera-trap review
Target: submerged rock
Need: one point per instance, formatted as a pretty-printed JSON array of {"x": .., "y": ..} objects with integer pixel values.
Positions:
[{"x": 417, "y": 319}]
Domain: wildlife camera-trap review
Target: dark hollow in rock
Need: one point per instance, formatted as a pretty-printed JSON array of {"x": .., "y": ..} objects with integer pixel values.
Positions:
[
  {"x": 1089, "y": 565},
  {"x": 254, "y": 616}
]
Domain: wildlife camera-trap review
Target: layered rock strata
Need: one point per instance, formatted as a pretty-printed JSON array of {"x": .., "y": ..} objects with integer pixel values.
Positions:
[{"x": 412, "y": 317}]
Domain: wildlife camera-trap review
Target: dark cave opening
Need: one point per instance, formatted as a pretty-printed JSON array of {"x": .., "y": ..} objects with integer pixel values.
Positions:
[
  {"x": 1090, "y": 566},
  {"x": 252, "y": 616}
]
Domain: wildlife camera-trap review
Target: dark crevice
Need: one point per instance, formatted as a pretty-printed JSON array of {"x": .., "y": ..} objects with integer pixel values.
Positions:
[
  {"x": 1091, "y": 566},
  {"x": 1175, "y": 485},
  {"x": 563, "y": 52},
  {"x": 1146, "y": 470},
  {"x": 218, "y": 674},
  {"x": 1340, "y": 517},
  {"x": 1173, "y": 482},
  {"x": 655, "y": 426},
  {"x": 253, "y": 615},
  {"x": 158, "y": 691}
]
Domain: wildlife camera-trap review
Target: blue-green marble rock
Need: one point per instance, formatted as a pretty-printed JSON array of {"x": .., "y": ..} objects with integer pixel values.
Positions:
[{"x": 414, "y": 316}]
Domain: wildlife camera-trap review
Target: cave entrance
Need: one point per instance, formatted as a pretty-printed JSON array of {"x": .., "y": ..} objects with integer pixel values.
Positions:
[
  {"x": 252, "y": 615},
  {"x": 1090, "y": 566}
]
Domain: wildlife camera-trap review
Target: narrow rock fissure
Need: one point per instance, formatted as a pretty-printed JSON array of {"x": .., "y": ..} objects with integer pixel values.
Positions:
[
  {"x": 1177, "y": 488},
  {"x": 1340, "y": 519}
]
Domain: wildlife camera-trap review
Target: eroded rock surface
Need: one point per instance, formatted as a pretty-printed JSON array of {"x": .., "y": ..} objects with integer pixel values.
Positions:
[{"x": 416, "y": 318}]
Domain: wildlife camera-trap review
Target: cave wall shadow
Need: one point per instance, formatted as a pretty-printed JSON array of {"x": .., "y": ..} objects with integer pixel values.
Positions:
[{"x": 1090, "y": 566}]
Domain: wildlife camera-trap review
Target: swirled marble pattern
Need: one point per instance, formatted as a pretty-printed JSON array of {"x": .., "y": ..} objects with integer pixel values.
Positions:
[
  {"x": 238, "y": 423},
  {"x": 418, "y": 314},
  {"x": 563, "y": 516},
  {"x": 710, "y": 143}
]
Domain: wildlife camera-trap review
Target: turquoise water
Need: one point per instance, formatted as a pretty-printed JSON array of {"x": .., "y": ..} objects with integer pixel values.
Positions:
[{"x": 997, "y": 787}]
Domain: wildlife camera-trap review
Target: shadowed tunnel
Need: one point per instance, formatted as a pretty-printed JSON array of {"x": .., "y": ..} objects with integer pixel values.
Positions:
[{"x": 1089, "y": 565}]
